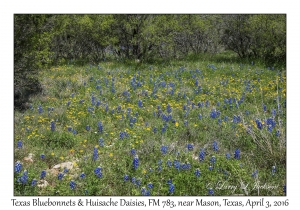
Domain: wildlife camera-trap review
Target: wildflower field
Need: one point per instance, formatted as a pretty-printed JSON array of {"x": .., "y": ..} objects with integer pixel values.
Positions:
[{"x": 177, "y": 128}]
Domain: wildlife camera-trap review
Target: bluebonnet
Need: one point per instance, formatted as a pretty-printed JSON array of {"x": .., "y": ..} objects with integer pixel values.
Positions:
[
  {"x": 40, "y": 109},
  {"x": 273, "y": 170},
  {"x": 186, "y": 166},
  {"x": 164, "y": 149},
  {"x": 177, "y": 164},
  {"x": 190, "y": 147},
  {"x": 138, "y": 182},
  {"x": 169, "y": 109},
  {"x": 20, "y": 144},
  {"x": 254, "y": 174},
  {"x": 215, "y": 146},
  {"x": 135, "y": 162},
  {"x": 60, "y": 176},
  {"x": 197, "y": 172},
  {"x": 140, "y": 103},
  {"x": 69, "y": 128},
  {"x": 213, "y": 114},
  {"x": 122, "y": 135},
  {"x": 171, "y": 188},
  {"x": 43, "y": 174},
  {"x": 185, "y": 123},
  {"x": 264, "y": 107},
  {"x": 211, "y": 191},
  {"x": 126, "y": 177},
  {"x": 227, "y": 156},
  {"x": 72, "y": 184},
  {"x": 210, "y": 168},
  {"x": 88, "y": 127},
  {"x": 213, "y": 159},
  {"x": 95, "y": 154},
  {"x": 258, "y": 124},
  {"x": 66, "y": 170},
  {"x": 237, "y": 154},
  {"x": 100, "y": 127},
  {"x": 154, "y": 130},
  {"x": 277, "y": 133},
  {"x": 169, "y": 163},
  {"x": 150, "y": 185},
  {"x": 74, "y": 132},
  {"x": 169, "y": 181},
  {"x": 133, "y": 152},
  {"x": 98, "y": 172},
  {"x": 145, "y": 192},
  {"x": 82, "y": 175},
  {"x": 274, "y": 112},
  {"x": 33, "y": 182},
  {"x": 52, "y": 126},
  {"x": 101, "y": 142},
  {"x": 24, "y": 178},
  {"x": 42, "y": 156},
  {"x": 201, "y": 155},
  {"x": 133, "y": 180}
]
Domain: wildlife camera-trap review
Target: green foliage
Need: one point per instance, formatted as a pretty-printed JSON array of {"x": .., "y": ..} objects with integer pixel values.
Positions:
[{"x": 68, "y": 85}]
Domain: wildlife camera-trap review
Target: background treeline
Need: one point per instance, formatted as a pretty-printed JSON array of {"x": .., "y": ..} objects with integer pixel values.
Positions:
[{"x": 41, "y": 40}]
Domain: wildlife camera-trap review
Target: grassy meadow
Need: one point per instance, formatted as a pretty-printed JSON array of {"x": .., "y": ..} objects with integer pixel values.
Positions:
[{"x": 187, "y": 127}]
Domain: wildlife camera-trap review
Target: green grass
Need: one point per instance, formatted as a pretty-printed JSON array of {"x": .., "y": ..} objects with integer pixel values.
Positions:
[{"x": 251, "y": 85}]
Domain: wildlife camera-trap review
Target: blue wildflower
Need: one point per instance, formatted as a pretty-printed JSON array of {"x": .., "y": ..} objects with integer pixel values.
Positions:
[
  {"x": 100, "y": 127},
  {"x": 211, "y": 191},
  {"x": 98, "y": 172},
  {"x": 171, "y": 188},
  {"x": 42, "y": 156},
  {"x": 126, "y": 178},
  {"x": 190, "y": 147},
  {"x": 164, "y": 149},
  {"x": 273, "y": 170},
  {"x": 210, "y": 168},
  {"x": 169, "y": 163},
  {"x": 215, "y": 146},
  {"x": 135, "y": 162},
  {"x": 18, "y": 167},
  {"x": 52, "y": 126},
  {"x": 101, "y": 142},
  {"x": 254, "y": 174},
  {"x": 227, "y": 156},
  {"x": 20, "y": 144},
  {"x": 140, "y": 103},
  {"x": 43, "y": 174},
  {"x": 150, "y": 185},
  {"x": 60, "y": 176},
  {"x": 213, "y": 159},
  {"x": 72, "y": 184},
  {"x": 197, "y": 172},
  {"x": 82, "y": 175},
  {"x": 24, "y": 178},
  {"x": 201, "y": 155},
  {"x": 88, "y": 127},
  {"x": 133, "y": 152},
  {"x": 95, "y": 154},
  {"x": 237, "y": 154},
  {"x": 33, "y": 182},
  {"x": 66, "y": 170}
]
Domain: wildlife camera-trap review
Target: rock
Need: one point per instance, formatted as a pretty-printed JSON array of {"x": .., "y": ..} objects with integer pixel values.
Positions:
[
  {"x": 42, "y": 183},
  {"x": 68, "y": 165},
  {"x": 29, "y": 158}
]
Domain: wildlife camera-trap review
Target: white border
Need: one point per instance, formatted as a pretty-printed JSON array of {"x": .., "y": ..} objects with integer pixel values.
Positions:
[{"x": 10, "y": 7}]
